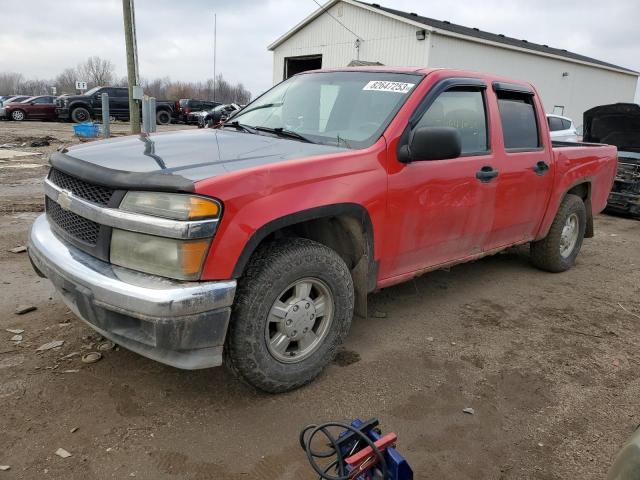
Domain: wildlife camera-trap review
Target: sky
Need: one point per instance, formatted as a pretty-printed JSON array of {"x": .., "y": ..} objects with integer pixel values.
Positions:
[{"x": 39, "y": 38}]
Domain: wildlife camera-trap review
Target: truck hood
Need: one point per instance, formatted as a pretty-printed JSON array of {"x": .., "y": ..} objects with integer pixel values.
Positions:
[
  {"x": 617, "y": 124},
  {"x": 174, "y": 161}
]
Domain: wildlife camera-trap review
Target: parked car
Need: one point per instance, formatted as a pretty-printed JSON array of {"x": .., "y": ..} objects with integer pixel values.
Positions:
[
  {"x": 259, "y": 240},
  {"x": 188, "y": 106},
  {"x": 11, "y": 99},
  {"x": 42, "y": 107},
  {"x": 82, "y": 108},
  {"x": 217, "y": 115},
  {"x": 562, "y": 128},
  {"x": 619, "y": 124}
]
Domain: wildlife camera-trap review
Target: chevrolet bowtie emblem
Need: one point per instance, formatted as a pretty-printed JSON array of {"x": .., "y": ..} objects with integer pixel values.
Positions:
[{"x": 64, "y": 199}]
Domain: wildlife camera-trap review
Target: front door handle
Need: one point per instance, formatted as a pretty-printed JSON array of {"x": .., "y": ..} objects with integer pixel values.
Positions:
[
  {"x": 541, "y": 168},
  {"x": 486, "y": 174}
]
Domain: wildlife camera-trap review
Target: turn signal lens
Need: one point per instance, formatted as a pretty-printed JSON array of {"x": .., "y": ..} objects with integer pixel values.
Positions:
[{"x": 203, "y": 208}]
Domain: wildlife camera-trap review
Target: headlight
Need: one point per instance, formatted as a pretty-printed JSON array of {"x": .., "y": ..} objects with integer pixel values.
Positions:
[
  {"x": 171, "y": 205},
  {"x": 167, "y": 257}
]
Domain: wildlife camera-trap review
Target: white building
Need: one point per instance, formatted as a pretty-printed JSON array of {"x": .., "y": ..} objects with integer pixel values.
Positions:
[{"x": 348, "y": 31}]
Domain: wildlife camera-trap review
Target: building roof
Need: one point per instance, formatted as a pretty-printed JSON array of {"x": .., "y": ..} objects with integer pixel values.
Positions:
[
  {"x": 493, "y": 37},
  {"x": 446, "y": 27}
]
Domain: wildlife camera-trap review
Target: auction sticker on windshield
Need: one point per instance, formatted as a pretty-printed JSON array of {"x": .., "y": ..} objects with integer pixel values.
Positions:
[{"x": 383, "y": 86}]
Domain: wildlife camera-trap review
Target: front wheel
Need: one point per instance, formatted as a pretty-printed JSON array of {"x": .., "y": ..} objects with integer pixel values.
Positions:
[
  {"x": 293, "y": 308},
  {"x": 80, "y": 114},
  {"x": 557, "y": 252},
  {"x": 18, "y": 115},
  {"x": 163, "y": 117}
]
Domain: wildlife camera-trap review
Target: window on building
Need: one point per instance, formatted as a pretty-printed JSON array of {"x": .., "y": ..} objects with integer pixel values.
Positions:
[
  {"x": 464, "y": 110},
  {"x": 519, "y": 124}
]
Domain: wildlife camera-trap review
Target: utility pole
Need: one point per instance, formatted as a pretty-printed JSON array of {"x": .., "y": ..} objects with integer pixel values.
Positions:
[
  {"x": 128, "y": 13},
  {"x": 215, "y": 41}
]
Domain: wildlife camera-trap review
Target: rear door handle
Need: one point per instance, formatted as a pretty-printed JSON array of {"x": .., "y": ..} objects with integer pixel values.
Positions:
[
  {"x": 541, "y": 168},
  {"x": 486, "y": 174}
]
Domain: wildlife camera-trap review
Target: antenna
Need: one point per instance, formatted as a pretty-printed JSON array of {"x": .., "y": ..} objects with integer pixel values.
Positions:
[{"x": 215, "y": 41}]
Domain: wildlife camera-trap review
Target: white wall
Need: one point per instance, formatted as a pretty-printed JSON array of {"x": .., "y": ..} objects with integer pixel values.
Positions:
[
  {"x": 583, "y": 88},
  {"x": 385, "y": 40}
]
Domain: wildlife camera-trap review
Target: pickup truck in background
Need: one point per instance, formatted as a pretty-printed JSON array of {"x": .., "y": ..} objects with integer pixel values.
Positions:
[
  {"x": 88, "y": 106},
  {"x": 619, "y": 124},
  {"x": 255, "y": 243},
  {"x": 187, "y": 109}
]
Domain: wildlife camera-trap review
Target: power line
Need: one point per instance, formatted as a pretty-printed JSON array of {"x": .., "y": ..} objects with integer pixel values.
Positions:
[{"x": 343, "y": 25}]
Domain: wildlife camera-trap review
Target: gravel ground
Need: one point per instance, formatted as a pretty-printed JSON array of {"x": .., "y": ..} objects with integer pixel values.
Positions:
[{"x": 547, "y": 361}]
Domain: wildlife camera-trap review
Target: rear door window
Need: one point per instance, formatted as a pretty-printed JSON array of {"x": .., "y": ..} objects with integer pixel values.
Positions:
[
  {"x": 519, "y": 124},
  {"x": 566, "y": 124}
]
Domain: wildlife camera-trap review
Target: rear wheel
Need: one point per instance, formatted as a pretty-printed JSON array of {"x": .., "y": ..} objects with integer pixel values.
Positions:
[
  {"x": 18, "y": 115},
  {"x": 163, "y": 117},
  {"x": 80, "y": 114},
  {"x": 293, "y": 308},
  {"x": 557, "y": 252}
]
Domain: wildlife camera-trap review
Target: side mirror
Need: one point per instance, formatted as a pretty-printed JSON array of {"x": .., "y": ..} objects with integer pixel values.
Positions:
[{"x": 432, "y": 143}]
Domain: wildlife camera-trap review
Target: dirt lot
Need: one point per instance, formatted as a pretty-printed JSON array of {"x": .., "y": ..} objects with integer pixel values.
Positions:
[{"x": 548, "y": 362}]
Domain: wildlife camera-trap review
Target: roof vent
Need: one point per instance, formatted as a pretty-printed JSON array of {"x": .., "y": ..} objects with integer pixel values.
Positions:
[
  {"x": 413, "y": 14},
  {"x": 476, "y": 29},
  {"x": 525, "y": 41},
  {"x": 544, "y": 45},
  {"x": 563, "y": 50},
  {"x": 501, "y": 35},
  {"x": 447, "y": 22},
  {"x": 375, "y": 5}
]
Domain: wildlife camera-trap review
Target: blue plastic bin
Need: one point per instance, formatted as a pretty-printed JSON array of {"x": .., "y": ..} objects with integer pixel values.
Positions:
[{"x": 87, "y": 130}]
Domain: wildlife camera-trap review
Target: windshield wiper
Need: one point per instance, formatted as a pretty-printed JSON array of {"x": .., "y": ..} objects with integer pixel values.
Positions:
[
  {"x": 282, "y": 132},
  {"x": 240, "y": 126}
]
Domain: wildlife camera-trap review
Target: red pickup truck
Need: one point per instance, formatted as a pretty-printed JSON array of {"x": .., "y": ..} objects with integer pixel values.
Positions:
[{"x": 253, "y": 244}]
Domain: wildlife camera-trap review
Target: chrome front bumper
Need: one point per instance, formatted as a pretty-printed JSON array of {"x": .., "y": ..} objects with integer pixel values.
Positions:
[{"x": 182, "y": 324}]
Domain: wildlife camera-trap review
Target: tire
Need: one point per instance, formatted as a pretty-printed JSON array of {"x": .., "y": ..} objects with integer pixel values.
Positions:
[
  {"x": 18, "y": 115},
  {"x": 163, "y": 117},
  {"x": 251, "y": 348},
  {"x": 80, "y": 114},
  {"x": 557, "y": 252}
]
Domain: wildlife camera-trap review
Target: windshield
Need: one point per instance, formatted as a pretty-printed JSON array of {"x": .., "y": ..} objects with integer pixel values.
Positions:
[
  {"x": 92, "y": 91},
  {"x": 349, "y": 109}
]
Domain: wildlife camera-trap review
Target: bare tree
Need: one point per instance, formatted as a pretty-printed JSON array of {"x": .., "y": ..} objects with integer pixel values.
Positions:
[
  {"x": 10, "y": 82},
  {"x": 97, "y": 71},
  {"x": 35, "y": 87},
  {"x": 66, "y": 81},
  {"x": 100, "y": 72}
]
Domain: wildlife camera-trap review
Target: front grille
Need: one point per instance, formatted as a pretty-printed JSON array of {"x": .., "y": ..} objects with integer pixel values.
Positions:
[
  {"x": 78, "y": 227},
  {"x": 93, "y": 193}
]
